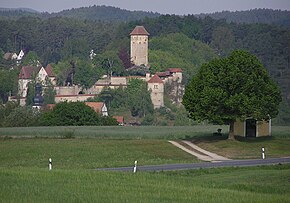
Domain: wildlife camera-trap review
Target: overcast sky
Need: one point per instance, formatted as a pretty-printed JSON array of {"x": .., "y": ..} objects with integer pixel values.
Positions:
[{"x": 160, "y": 6}]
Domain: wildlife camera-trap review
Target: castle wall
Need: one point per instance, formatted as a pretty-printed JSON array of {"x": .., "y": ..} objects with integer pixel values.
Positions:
[
  {"x": 118, "y": 81},
  {"x": 67, "y": 90},
  {"x": 73, "y": 98}
]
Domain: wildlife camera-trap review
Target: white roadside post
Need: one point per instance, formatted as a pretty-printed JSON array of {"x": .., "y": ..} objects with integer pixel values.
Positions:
[
  {"x": 263, "y": 153},
  {"x": 49, "y": 164},
  {"x": 135, "y": 167}
]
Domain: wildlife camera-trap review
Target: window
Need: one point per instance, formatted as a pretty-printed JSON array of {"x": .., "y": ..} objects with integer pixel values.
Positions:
[{"x": 155, "y": 86}]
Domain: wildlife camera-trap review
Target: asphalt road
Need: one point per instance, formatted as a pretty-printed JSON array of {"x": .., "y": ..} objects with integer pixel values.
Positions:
[{"x": 230, "y": 163}]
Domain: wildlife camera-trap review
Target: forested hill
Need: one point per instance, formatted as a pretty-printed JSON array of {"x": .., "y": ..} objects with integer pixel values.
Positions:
[
  {"x": 93, "y": 13},
  {"x": 16, "y": 13},
  {"x": 265, "y": 16},
  {"x": 105, "y": 13},
  {"x": 113, "y": 14}
]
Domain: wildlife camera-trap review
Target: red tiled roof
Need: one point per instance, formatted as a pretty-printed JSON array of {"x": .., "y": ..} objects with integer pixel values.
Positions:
[
  {"x": 155, "y": 79},
  {"x": 175, "y": 70},
  {"x": 97, "y": 106},
  {"x": 120, "y": 119},
  {"x": 139, "y": 30},
  {"x": 163, "y": 74},
  {"x": 27, "y": 72},
  {"x": 74, "y": 95},
  {"x": 49, "y": 71},
  {"x": 50, "y": 106}
]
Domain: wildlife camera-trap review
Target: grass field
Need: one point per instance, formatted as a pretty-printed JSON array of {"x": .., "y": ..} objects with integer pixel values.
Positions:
[
  {"x": 259, "y": 184},
  {"x": 88, "y": 153},
  {"x": 113, "y": 132},
  {"x": 24, "y": 174}
]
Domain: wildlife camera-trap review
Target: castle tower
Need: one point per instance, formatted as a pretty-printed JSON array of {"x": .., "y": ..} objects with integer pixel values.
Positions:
[
  {"x": 156, "y": 86},
  {"x": 139, "y": 46}
]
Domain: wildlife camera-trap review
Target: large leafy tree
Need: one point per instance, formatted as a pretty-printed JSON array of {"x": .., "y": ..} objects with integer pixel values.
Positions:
[
  {"x": 8, "y": 83},
  {"x": 232, "y": 88},
  {"x": 139, "y": 100}
]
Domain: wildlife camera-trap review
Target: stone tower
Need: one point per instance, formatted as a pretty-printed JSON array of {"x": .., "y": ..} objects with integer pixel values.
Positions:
[
  {"x": 156, "y": 86},
  {"x": 139, "y": 46}
]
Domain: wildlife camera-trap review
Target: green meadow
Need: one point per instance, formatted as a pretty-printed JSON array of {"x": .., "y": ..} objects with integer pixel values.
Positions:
[{"x": 77, "y": 151}]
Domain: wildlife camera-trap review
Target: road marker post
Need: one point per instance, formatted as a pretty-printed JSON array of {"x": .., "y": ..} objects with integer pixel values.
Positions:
[
  {"x": 135, "y": 167},
  {"x": 263, "y": 153},
  {"x": 49, "y": 164}
]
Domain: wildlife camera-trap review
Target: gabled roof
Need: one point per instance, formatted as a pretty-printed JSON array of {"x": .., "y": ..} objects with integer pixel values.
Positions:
[
  {"x": 120, "y": 119},
  {"x": 163, "y": 74},
  {"x": 175, "y": 70},
  {"x": 49, "y": 71},
  {"x": 28, "y": 71},
  {"x": 139, "y": 30},
  {"x": 50, "y": 106},
  {"x": 155, "y": 79},
  {"x": 97, "y": 106}
]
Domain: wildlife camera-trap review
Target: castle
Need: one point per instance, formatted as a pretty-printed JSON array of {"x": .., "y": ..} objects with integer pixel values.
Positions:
[{"x": 139, "y": 57}]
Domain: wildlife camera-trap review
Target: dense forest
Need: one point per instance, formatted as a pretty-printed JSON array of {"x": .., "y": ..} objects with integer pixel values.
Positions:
[
  {"x": 265, "y": 16},
  {"x": 175, "y": 41},
  {"x": 92, "y": 13},
  {"x": 113, "y": 14}
]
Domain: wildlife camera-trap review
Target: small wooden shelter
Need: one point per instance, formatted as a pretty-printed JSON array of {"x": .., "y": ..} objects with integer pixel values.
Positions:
[{"x": 252, "y": 128}]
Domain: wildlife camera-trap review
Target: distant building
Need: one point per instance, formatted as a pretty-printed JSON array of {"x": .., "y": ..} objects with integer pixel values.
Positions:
[
  {"x": 120, "y": 120},
  {"x": 99, "y": 107},
  {"x": 10, "y": 56},
  {"x": 30, "y": 73},
  {"x": 139, "y": 46},
  {"x": 20, "y": 55}
]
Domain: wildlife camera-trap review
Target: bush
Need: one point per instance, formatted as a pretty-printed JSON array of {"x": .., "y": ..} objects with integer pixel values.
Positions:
[
  {"x": 22, "y": 117},
  {"x": 71, "y": 113}
]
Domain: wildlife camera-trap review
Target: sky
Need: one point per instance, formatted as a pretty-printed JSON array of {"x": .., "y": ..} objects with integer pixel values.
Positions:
[{"x": 179, "y": 7}]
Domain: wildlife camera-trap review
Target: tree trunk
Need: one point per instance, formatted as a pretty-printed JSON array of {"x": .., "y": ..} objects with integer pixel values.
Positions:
[{"x": 231, "y": 132}]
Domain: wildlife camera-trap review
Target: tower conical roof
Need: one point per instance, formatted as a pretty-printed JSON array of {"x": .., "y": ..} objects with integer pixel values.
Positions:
[{"x": 139, "y": 30}]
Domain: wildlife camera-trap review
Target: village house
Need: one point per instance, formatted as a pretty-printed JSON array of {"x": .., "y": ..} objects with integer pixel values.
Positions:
[
  {"x": 13, "y": 56},
  {"x": 44, "y": 76},
  {"x": 99, "y": 107},
  {"x": 39, "y": 74},
  {"x": 120, "y": 120}
]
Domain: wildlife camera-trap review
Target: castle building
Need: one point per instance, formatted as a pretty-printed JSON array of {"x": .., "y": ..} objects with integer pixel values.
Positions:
[
  {"x": 156, "y": 87},
  {"x": 139, "y": 46}
]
